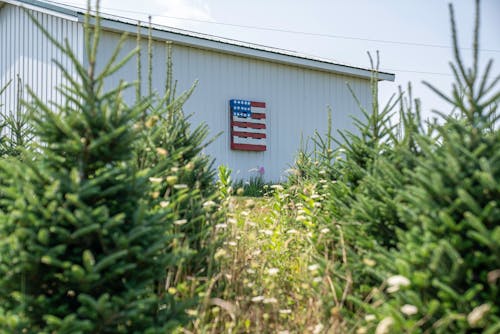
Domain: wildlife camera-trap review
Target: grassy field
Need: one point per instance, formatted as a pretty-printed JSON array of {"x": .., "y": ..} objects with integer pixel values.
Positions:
[{"x": 268, "y": 279}]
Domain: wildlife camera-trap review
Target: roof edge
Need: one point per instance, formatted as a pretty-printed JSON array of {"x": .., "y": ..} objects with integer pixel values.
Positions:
[
  {"x": 45, "y": 7},
  {"x": 257, "y": 52},
  {"x": 207, "y": 42}
]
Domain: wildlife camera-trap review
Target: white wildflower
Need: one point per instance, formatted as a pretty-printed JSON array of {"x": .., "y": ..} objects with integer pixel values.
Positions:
[
  {"x": 164, "y": 204},
  {"x": 192, "y": 312},
  {"x": 313, "y": 267},
  {"x": 273, "y": 271},
  {"x": 370, "y": 317},
  {"x": 392, "y": 289},
  {"x": 361, "y": 330},
  {"x": 257, "y": 299},
  {"x": 318, "y": 329},
  {"x": 266, "y": 232},
  {"x": 180, "y": 222},
  {"x": 277, "y": 187},
  {"x": 409, "y": 309},
  {"x": 493, "y": 276},
  {"x": 208, "y": 204},
  {"x": 161, "y": 151},
  {"x": 155, "y": 179},
  {"x": 301, "y": 218},
  {"x": 395, "y": 282},
  {"x": 286, "y": 311},
  {"x": 271, "y": 300},
  {"x": 477, "y": 314},
  {"x": 324, "y": 230},
  {"x": 384, "y": 326}
]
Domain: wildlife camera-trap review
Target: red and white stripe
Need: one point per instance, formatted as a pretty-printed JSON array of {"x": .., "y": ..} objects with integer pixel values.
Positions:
[{"x": 249, "y": 134}]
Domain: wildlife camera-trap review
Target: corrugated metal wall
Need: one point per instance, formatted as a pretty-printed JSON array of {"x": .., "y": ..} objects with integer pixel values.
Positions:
[
  {"x": 297, "y": 99},
  {"x": 26, "y": 54}
]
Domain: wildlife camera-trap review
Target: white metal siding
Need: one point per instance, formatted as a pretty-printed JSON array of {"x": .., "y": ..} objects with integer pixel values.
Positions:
[
  {"x": 297, "y": 99},
  {"x": 25, "y": 52}
]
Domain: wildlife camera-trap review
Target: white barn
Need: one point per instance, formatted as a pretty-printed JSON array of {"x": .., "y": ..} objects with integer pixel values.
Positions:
[{"x": 294, "y": 90}]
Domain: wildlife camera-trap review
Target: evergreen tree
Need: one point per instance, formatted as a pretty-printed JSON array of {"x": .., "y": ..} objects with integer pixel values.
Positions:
[
  {"x": 15, "y": 132},
  {"x": 84, "y": 238},
  {"x": 361, "y": 179},
  {"x": 412, "y": 214},
  {"x": 168, "y": 138},
  {"x": 3, "y": 122},
  {"x": 443, "y": 277},
  {"x": 375, "y": 201}
]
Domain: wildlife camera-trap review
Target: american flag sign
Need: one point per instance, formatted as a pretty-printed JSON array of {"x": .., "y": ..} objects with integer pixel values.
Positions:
[{"x": 248, "y": 125}]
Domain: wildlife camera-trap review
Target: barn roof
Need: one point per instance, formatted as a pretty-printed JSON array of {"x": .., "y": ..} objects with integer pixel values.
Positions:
[{"x": 203, "y": 41}]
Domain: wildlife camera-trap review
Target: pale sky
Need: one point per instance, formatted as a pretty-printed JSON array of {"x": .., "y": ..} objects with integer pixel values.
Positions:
[{"x": 412, "y": 36}]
